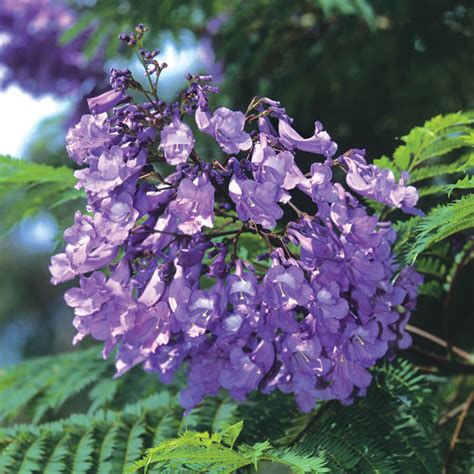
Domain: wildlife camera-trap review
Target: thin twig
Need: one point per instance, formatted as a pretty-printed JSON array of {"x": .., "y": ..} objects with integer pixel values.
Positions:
[
  {"x": 444, "y": 363},
  {"x": 457, "y": 431},
  {"x": 451, "y": 414},
  {"x": 448, "y": 302},
  {"x": 299, "y": 212},
  {"x": 440, "y": 342},
  {"x": 214, "y": 235}
]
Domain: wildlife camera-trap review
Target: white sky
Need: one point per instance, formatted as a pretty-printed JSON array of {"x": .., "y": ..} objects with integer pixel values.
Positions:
[{"x": 20, "y": 113}]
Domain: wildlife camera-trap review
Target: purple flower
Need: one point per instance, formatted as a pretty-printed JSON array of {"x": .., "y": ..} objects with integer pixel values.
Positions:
[
  {"x": 60, "y": 269},
  {"x": 116, "y": 217},
  {"x": 242, "y": 289},
  {"x": 193, "y": 206},
  {"x": 193, "y": 253},
  {"x": 108, "y": 171},
  {"x": 346, "y": 375},
  {"x": 90, "y": 297},
  {"x": 257, "y": 202},
  {"x": 177, "y": 141},
  {"x": 32, "y": 53},
  {"x": 247, "y": 369},
  {"x": 228, "y": 129},
  {"x": 278, "y": 168},
  {"x": 88, "y": 137},
  {"x": 219, "y": 268},
  {"x": 370, "y": 181},
  {"x": 303, "y": 364},
  {"x": 200, "y": 311},
  {"x": 150, "y": 329},
  {"x": 364, "y": 344},
  {"x": 104, "y": 102},
  {"x": 285, "y": 288},
  {"x": 328, "y": 303},
  {"x": 322, "y": 188},
  {"x": 316, "y": 242},
  {"x": 85, "y": 251},
  {"x": 319, "y": 143},
  {"x": 203, "y": 379}
]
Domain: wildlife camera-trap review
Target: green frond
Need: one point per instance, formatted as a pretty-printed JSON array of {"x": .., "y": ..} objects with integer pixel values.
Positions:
[
  {"x": 201, "y": 452},
  {"x": 460, "y": 165},
  {"x": 397, "y": 408},
  {"x": 39, "y": 388},
  {"x": 297, "y": 460},
  {"x": 105, "y": 442},
  {"x": 27, "y": 188},
  {"x": 56, "y": 463},
  {"x": 46, "y": 383},
  {"x": 465, "y": 183},
  {"x": 419, "y": 234},
  {"x": 259, "y": 413},
  {"x": 435, "y": 154},
  {"x": 134, "y": 444},
  {"x": 432, "y": 266},
  {"x": 437, "y": 137},
  {"x": 215, "y": 413},
  {"x": 21, "y": 172},
  {"x": 433, "y": 189},
  {"x": 82, "y": 455},
  {"x": 431, "y": 288},
  {"x": 103, "y": 392},
  {"x": 107, "y": 448},
  {"x": 32, "y": 459}
]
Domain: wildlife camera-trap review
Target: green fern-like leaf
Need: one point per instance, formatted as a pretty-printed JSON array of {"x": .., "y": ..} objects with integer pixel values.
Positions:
[
  {"x": 47, "y": 382},
  {"x": 104, "y": 442},
  {"x": 27, "y": 188},
  {"x": 421, "y": 233},
  {"x": 437, "y": 137},
  {"x": 82, "y": 456},
  {"x": 460, "y": 165},
  {"x": 40, "y": 387},
  {"x": 201, "y": 452},
  {"x": 20, "y": 172},
  {"x": 465, "y": 183}
]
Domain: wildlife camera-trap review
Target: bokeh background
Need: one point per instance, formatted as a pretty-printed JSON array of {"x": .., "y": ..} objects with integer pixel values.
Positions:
[{"x": 370, "y": 70}]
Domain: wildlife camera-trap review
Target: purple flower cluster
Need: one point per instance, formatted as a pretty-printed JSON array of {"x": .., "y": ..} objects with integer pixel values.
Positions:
[
  {"x": 32, "y": 54},
  {"x": 164, "y": 278}
]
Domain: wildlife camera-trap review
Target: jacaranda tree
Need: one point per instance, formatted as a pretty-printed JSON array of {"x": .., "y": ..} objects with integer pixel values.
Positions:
[{"x": 265, "y": 287}]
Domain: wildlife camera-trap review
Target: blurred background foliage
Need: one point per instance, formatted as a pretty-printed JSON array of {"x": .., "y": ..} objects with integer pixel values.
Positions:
[{"x": 369, "y": 70}]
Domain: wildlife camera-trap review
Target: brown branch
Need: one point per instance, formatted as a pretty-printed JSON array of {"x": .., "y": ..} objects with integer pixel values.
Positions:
[
  {"x": 451, "y": 414},
  {"x": 444, "y": 363},
  {"x": 440, "y": 342},
  {"x": 457, "y": 431},
  {"x": 448, "y": 302}
]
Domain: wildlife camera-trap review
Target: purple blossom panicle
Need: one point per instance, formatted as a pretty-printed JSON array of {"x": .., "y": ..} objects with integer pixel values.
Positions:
[{"x": 308, "y": 316}]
